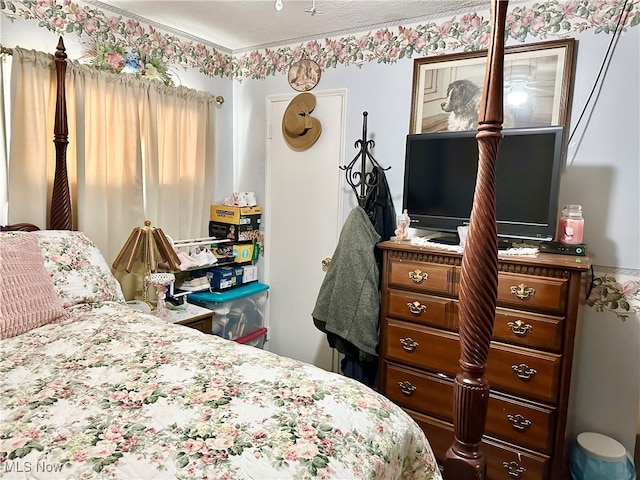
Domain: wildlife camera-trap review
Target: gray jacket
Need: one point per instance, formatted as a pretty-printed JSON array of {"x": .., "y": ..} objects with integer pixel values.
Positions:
[{"x": 348, "y": 304}]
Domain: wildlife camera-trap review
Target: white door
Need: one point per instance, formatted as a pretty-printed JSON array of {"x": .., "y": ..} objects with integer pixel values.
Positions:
[{"x": 302, "y": 222}]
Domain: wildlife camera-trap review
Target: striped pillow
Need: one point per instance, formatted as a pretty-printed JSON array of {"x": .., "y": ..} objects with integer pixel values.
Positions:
[{"x": 27, "y": 297}]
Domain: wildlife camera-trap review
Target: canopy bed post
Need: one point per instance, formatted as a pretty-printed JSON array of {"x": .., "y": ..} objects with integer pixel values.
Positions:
[
  {"x": 479, "y": 274},
  {"x": 60, "y": 213}
]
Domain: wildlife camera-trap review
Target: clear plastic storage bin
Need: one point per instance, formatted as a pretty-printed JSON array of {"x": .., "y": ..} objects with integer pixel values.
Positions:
[
  {"x": 255, "y": 339},
  {"x": 238, "y": 312}
]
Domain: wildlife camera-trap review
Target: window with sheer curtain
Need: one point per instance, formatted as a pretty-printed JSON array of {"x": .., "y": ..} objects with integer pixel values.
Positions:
[{"x": 138, "y": 150}]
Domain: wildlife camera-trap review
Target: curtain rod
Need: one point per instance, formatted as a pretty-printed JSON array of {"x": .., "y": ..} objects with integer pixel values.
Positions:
[{"x": 219, "y": 99}]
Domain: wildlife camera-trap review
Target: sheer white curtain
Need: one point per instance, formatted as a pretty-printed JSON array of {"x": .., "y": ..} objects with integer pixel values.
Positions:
[
  {"x": 31, "y": 150},
  {"x": 104, "y": 118},
  {"x": 179, "y": 159},
  {"x": 138, "y": 150}
]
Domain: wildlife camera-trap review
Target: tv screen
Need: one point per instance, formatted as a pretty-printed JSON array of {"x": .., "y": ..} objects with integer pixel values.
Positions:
[{"x": 440, "y": 177}]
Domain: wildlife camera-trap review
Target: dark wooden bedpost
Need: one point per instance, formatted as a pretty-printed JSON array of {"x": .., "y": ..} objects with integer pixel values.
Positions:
[
  {"x": 60, "y": 213},
  {"x": 479, "y": 276}
]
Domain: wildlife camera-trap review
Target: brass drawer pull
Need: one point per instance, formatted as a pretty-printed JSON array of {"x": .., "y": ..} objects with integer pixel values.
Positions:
[
  {"x": 416, "y": 307},
  {"x": 409, "y": 344},
  {"x": 406, "y": 387},
  {"x": 418, "y": 276},
  {"x": 520, "y": 328},
  {"x": 513, "y": 469},
  {"x": 522, "y": 291},
  {"x": 524, "y": 372},
  {"x": 519, "y": 422}
]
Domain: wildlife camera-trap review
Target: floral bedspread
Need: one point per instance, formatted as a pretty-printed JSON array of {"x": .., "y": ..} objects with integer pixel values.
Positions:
[{"x": 114, "y": 393}]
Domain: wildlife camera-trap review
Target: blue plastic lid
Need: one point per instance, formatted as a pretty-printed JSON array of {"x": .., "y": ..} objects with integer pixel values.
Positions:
[
  {"x": 596, "y": 457},
  {"x": 225, "y": 296}
]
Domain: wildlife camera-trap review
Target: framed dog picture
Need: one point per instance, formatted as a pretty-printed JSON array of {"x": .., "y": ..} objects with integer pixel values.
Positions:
[{"x": 537, "y": 86}]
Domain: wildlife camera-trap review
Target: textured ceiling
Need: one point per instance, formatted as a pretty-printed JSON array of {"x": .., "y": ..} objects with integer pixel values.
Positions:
[{"x": 238, "y": 25}]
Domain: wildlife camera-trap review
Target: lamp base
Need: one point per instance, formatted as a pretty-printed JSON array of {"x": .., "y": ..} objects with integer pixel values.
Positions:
[{"x": 161, "y": 281}]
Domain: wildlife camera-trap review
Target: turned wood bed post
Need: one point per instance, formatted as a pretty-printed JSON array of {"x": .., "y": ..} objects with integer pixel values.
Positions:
[
  {"x": 479, "y": 275},
  {"x": 60, "y": 213}
]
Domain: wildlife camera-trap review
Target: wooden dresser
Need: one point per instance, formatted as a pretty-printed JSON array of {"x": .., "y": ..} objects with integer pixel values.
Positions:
[{"x": 530, "y": 359}]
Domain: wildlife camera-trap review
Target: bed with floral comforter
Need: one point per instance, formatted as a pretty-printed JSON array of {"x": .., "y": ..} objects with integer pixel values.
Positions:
[{"x": 113, "y": 393}]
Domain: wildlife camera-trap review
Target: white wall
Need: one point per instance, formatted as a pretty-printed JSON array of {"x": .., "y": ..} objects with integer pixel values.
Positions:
[
  {"x": 602, "y": 175},
  {"x": 603, "y": 158},
  {"x": 381, "y": 90}
]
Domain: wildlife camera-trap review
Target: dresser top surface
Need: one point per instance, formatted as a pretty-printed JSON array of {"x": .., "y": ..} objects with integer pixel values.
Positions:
[{"x": 569, "y": 262}]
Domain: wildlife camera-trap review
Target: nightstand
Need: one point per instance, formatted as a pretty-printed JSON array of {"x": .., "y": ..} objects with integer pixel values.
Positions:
[{"x": 194, "y": 316}]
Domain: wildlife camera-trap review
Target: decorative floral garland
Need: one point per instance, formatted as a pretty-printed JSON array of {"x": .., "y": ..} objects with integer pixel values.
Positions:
[
  {"x": 609, "y": 294},
  {"x": 469, "y": 32},
  {"x": 117, "y": 59}
]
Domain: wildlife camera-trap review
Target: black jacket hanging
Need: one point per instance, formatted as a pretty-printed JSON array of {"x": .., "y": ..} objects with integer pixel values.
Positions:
[{"x": 379, "y": 206}]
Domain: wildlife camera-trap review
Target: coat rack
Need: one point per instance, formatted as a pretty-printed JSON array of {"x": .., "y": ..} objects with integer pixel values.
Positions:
[{"x": 364, "y": 181}]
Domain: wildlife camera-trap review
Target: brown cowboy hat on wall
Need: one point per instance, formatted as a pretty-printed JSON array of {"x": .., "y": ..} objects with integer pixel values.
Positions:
[{"x": 299, "y": 128}]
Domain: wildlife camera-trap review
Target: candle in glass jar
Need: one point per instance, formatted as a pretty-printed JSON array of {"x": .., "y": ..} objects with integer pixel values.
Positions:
[{"x": 571, "y": 225}]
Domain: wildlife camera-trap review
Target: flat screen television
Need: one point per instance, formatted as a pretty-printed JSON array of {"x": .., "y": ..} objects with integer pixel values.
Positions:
[{"x": 440, "y": 177}]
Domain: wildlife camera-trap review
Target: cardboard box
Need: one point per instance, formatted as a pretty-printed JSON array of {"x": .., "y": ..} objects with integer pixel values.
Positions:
[
  {"x": 244, "y": 252},
  {"x": 225, "y": 277},
  {"x": 236, "y": 215},
  {"x": 224, "y": 253},
  {"x": 249, "y": 273},
  {"x": 234, "y": 232}
]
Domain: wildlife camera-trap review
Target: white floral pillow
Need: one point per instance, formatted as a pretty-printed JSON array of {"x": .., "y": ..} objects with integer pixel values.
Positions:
[{"x": 79, "y": 272}]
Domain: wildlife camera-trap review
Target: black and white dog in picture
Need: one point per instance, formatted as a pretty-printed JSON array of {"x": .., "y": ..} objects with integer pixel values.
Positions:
[{"x": 462, "y": 104}]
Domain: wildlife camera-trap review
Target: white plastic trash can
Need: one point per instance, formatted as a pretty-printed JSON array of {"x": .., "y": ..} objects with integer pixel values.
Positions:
[{"x": 597, "y": 457}]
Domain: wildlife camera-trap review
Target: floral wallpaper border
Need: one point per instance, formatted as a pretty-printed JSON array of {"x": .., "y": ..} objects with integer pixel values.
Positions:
[
  {"x": 615, "y": 291},
  {"x": 388, "y": 45}
]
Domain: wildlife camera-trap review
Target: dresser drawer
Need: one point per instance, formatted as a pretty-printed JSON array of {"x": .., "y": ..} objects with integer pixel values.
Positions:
[
  {"x": 424, "y": 309},
  {"x": 532, "y": 293},
  {"x": 529, "y": 425},
  {"x": 512, "y": 369},
  {"x": 524, "y": 372},
  {"x": 504, "y": 461},
  {"x": 420, "y": 391},
  {"x": 528, "y": 329},
  {"x": 510, "y": 419},
  {"x": 522, "y": 328},
  {"x": 421, "y": 276},
  {"x": 422, "y": 347}
]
